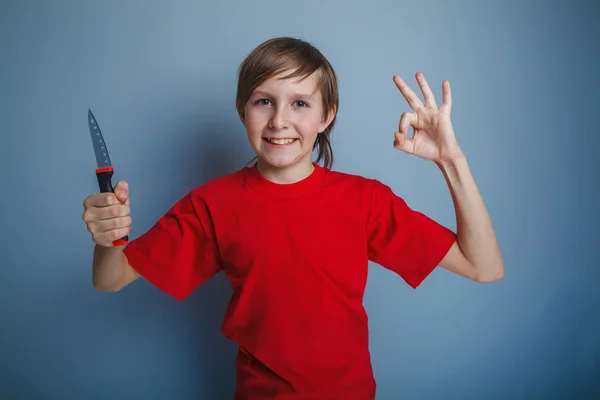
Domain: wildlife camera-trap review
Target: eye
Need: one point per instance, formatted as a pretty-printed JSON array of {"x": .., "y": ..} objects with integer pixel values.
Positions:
[
  {"x": 263, "y": 102},
  {"x": 301, "y": 103}
]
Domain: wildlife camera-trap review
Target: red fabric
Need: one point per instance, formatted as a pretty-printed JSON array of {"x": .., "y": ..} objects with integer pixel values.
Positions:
[{"x": 297, "y": 258}]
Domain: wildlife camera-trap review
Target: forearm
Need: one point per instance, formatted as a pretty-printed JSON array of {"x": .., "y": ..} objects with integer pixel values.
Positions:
[
  {"x": 475, "y": 232},
  {"x": 109, "y": 268}
]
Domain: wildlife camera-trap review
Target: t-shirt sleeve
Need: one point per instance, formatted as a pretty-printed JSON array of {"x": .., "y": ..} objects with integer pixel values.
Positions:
[
  {"x": 178, "y": 252},
  {"x": 404, "y": 240}
]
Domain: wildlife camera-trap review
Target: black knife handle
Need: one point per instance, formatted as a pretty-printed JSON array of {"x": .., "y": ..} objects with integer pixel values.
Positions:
[{"x": 104, "y": 176}]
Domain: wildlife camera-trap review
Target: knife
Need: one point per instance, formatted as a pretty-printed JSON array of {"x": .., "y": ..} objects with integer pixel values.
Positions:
[{"x": 104, "y": 170}]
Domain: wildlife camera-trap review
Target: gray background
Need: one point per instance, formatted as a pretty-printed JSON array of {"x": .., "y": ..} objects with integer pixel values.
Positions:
[{"x": 161, "y": 77}]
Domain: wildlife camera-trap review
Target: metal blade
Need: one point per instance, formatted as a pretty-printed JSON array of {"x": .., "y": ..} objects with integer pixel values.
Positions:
[{"x": 102, "y": 157}]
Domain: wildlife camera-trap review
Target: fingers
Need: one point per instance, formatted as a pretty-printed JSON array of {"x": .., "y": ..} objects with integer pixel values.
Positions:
[
  {"x": 447, "y": 96},
  {"x": 402, "y": 143},
  {"x": 120, "y": 195},
  {"x": 428, "y": 96},
  {"x": 106, "y": 239},
  {"x": 100, "y": 200},
  {"x": 426, "y": 90},
  {"x": 407, "y": 120},
  {"x": 122, "y": 191},
  {"x": 106, "y": 225},
  {"x": 103, "y": 213},
  {"x": 107, "y": 215},
  {"x": 410, "y": 96},
  {"x": 101, "y": 206},
  {"x": 105, "y": 231}
]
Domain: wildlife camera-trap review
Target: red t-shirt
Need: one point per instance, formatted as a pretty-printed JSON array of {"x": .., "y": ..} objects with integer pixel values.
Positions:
[{"x": 297, "y": 259}]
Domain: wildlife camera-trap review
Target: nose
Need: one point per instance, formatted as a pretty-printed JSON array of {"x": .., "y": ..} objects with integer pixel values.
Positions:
[{"x": 279, "y": 119}]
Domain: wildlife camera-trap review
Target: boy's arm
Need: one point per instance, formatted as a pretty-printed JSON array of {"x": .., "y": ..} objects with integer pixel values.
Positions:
[
  {"x": 110, "y": 269},
  {"x": 476, "y": 254}
]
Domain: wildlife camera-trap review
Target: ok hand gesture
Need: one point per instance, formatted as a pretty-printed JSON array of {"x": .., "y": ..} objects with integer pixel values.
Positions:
[{"x": 433, "y": 137}]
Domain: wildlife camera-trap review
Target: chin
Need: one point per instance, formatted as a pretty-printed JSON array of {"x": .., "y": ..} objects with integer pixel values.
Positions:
[
  {"x": 280, "y": 162},
  {"x": 285, "y": 161}
]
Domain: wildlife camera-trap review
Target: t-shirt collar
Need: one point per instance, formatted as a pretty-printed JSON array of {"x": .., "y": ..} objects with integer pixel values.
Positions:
[{"x": 281, "y": 190}]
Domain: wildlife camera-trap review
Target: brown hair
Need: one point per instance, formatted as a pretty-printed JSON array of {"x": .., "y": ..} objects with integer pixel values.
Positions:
[{"x": 282, "y": 54}]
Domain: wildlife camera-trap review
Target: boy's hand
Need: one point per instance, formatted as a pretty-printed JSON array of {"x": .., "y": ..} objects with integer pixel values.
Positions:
[
  {"x": 433, "y": 137},
  {"x": 107, "y": 215}
]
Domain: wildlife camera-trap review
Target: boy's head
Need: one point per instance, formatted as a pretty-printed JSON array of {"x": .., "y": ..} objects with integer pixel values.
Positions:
[{"x": 287, "y": 88}]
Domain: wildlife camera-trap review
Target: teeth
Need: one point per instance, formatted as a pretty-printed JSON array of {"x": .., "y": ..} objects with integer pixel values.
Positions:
[{"x": 281, "y": 141}]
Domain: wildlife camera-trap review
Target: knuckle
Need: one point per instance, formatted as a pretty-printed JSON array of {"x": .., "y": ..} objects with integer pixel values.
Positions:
[
  {"x": 88, "y": 216},
  {"x": 115, "y": 223},
  {"x": 96, "y": 238},
  {"x": 119, "y": 223}
]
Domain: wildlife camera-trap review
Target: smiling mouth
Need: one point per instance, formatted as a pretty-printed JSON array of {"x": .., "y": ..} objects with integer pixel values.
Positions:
[{"x": 280, "y": 141}]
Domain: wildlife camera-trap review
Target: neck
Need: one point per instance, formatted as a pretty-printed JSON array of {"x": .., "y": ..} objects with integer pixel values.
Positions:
[{"x": 285, "y": 175}]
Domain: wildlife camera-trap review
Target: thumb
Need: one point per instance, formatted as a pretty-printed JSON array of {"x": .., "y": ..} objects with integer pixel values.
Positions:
[
  {"x": 401, "y": 143},
  {"x": 122, "y": 191}
]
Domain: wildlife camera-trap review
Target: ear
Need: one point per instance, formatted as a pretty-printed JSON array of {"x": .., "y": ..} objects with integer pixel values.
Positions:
[{"x": 326, "y": 121}]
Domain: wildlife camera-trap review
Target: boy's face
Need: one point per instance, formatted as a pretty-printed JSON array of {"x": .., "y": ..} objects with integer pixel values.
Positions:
[{"x": 283, "y": 118}]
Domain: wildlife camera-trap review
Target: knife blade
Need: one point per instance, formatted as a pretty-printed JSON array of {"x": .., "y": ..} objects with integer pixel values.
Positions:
[{"x": 104, "y": 169}]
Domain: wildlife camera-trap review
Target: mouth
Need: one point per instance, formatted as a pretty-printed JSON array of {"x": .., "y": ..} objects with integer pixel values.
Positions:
[{"x": 280, "y": 142}]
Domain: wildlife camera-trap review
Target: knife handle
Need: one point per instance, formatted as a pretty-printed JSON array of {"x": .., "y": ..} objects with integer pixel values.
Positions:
[{"x": 104, "y": 176}]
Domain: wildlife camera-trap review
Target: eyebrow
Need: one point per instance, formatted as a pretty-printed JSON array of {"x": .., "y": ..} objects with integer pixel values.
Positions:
[{"x": 267, "y": 94}]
